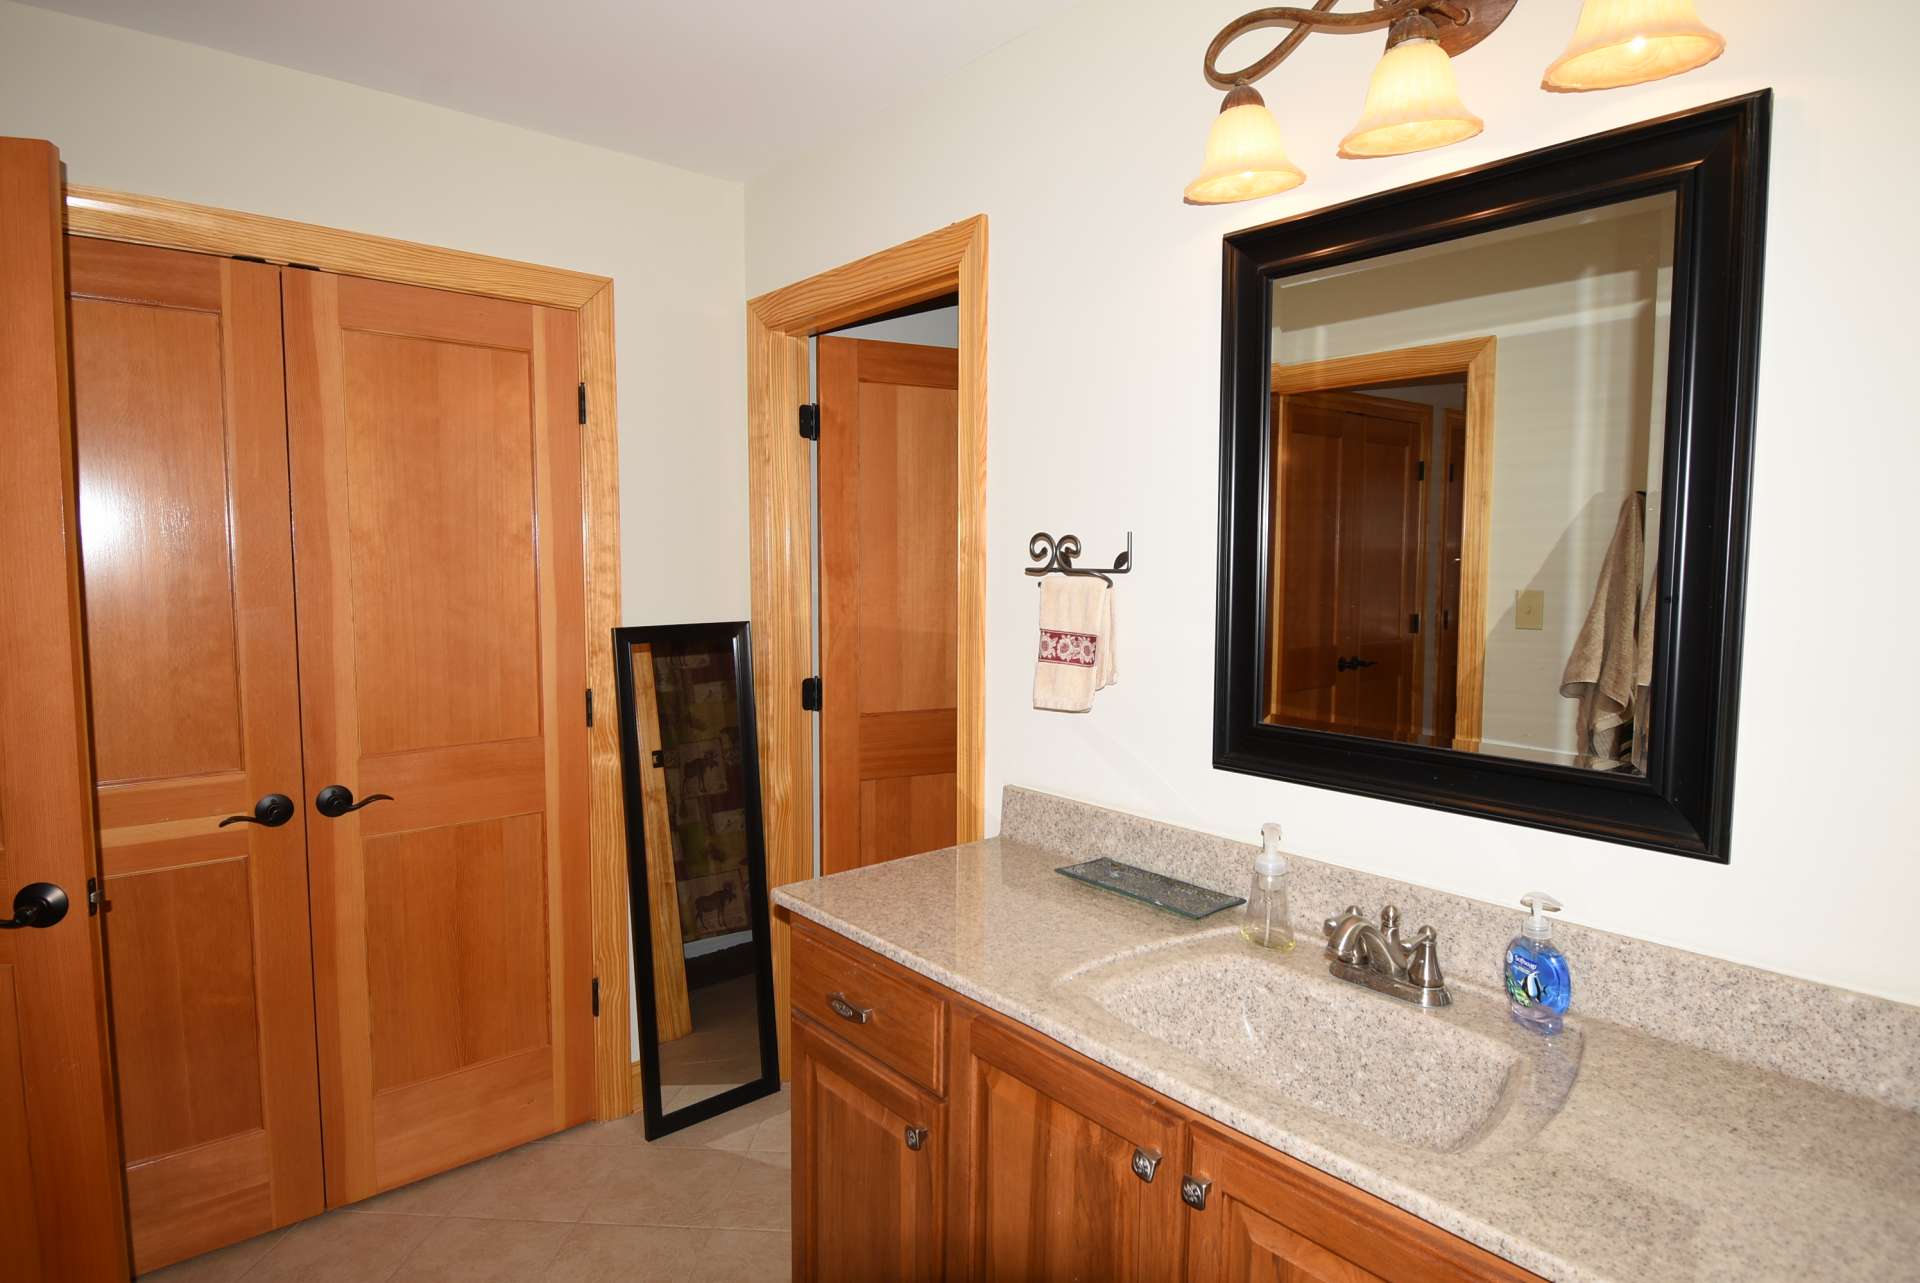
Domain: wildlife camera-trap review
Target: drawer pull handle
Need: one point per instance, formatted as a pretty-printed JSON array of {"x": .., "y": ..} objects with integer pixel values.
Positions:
[
  {"x": 1193, "y": 1191},
  {"x": 916, "y": 1138},
  {"x": 1146, "y": 1162},
  {"x": 847, "y": 1011}
]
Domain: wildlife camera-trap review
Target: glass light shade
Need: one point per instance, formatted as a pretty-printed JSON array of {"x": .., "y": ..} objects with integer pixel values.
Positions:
[
  {"x": 1413, "y": 103},
  {"x": 1246, "y": 158},
  {"x": 1629, "y": 42}
]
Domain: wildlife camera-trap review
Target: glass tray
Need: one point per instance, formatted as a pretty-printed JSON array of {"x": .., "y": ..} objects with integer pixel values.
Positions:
[{"x": 1171, "y": 894}]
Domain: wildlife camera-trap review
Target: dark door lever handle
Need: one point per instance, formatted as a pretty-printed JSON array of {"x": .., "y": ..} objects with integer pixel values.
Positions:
[
  {"x": 37, "y": 904},
  {"x": 272, "y": 811},
  {"x": 335, "y": 800}
]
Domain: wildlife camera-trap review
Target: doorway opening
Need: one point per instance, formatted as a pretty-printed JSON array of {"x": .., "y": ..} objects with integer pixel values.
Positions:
[{"x": 1381, "y": 480}]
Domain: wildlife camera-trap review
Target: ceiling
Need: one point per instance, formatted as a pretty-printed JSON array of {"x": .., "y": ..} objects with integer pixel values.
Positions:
[{"x": 730, "y": 89}]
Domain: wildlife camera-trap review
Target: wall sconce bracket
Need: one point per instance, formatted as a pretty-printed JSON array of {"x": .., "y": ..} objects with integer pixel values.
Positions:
[{"x": 1459, "y": 24}]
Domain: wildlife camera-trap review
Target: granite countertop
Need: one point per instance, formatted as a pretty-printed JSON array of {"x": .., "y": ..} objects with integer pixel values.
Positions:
[{"x": 1623, "y": 1157}]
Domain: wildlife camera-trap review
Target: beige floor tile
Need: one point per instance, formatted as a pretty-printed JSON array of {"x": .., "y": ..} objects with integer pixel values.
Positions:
[
  {"x": 630, "y": 1130},
  {"x": 758, "y": 1197},
  {"x": 532, "y": 1183},
  {"x": 774, "y": 1134},
  {"x": 733, "y": 1129},
  {"x": 222, "y": 1266},
  {"x": 469, "y": 1251},
  {"x": 339, "y": 1247},
  {"x": 657, "y": 1186},
  {"x": 744, "y": 1256},
  {"x": 434, "y": 1196},
  {"x": 631, "y": 1254}
]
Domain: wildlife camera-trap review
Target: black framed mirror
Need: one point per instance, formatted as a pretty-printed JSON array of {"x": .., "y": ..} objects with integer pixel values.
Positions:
[
  {"x": 1486, "y": 444},
  {"x": 696, "y": 871}
]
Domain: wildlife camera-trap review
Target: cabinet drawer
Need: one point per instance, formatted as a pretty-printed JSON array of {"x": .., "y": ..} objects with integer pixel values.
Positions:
[{"x": 884, "y": 1015}]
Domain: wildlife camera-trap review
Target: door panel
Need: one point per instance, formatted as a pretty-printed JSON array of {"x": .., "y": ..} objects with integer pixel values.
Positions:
[
  {"x": 866, "y": 1206},
  {"x": 1055, "y": 1192},
  {"x": 61, "y": 1216},
  {"x": 436, "y": 505},
  {"x": 179, "y": 417},
  {"x": 889, "y": 496},
  {"x": 1348, "y": 562}
]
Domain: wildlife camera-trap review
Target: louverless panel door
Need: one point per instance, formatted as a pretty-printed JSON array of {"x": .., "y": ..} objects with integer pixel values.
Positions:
[
  {"x": 180, "y": 429},
  {"x": 437, "y": 535},
  {"x": 60, "y": 1211}
]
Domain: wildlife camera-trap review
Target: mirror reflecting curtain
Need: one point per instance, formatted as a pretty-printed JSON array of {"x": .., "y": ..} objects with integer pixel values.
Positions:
[{"x": 696, "y": 862}]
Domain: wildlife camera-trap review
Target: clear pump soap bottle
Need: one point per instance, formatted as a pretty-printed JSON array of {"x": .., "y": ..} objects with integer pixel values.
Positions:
[
  {"x": 1539, "y": 983},
  {"x": 1269, "y": 923}
]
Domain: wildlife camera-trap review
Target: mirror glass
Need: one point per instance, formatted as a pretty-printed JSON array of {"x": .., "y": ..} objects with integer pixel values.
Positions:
[
  {"x": 697, "y": 870},
  {"x": 1464, "y": 460}
]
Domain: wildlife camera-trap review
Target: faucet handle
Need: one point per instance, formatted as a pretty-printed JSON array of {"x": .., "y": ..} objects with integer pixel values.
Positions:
[{"x": 1423, "y": 967}]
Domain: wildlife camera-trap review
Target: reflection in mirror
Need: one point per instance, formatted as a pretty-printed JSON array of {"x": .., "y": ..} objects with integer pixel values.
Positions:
[
  {"x": 697, "y": 871},
  {"x": 1465, "y": 458}
]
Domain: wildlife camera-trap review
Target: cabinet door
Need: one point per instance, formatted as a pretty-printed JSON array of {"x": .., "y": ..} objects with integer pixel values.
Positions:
[
  {"x": 1270, "y": 1219},
  {"x": 869, "y": 1157},
  {"x": 1073, "y": 1172}
]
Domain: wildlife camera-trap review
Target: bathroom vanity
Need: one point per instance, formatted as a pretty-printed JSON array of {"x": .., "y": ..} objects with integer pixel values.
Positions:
[{"x": 1000, "y": 1073}]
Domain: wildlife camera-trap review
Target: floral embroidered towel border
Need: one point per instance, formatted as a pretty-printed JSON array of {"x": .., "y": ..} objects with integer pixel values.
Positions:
[{"x": 1076, "y": 643}]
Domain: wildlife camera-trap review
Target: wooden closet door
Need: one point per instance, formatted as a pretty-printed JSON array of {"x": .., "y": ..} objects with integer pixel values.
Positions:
[
  {"x": 179, "y": 417},
  {"x": 437, "y": 546},
  {"x": 889, "y": 557},
  {"x": 61, "y": 1218}
]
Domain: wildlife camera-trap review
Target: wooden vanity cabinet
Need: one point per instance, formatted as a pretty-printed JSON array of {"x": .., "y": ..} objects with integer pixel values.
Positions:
[{"x": 933, "y": 1139}]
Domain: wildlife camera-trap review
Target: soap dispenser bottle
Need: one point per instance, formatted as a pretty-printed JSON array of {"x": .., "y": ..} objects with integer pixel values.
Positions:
[
  {"x": 1269, "y": 922},
  {"x": 1539, "y": 985}
]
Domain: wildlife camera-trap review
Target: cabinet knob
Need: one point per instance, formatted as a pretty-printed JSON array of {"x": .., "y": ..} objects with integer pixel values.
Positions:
[
  {"x": 1145, "y": 1163},
  {"x": 916, "y": 1138},
  {"x": 1193, "y": 1191}
]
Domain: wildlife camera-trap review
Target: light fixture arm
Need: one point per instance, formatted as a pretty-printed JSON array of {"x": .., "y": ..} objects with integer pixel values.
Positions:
[{"x": 1459, "y": 26}]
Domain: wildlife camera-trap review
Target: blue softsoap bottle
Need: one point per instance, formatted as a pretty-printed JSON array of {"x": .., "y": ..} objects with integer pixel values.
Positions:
[{"x": 1539, "y": 985}]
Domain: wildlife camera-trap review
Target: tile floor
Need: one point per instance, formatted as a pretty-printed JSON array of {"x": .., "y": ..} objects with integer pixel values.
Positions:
[
  {"x": 723, "y": 1050},
  {"x": 709, "y": 1204}
]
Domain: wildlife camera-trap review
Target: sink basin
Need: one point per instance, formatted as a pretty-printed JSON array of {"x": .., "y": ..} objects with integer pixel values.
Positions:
[{"x": 1288, "y": 1035}]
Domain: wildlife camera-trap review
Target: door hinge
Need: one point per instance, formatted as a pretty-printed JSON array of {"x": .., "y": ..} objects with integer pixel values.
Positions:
[
  {"x": 810, "y": 694},
  {"x": 1420, "y": 470},
  {"x": 1413, "y": 622},
  {"x": 583, "y": 403},
  {"x": 810, "y": 422},
  {"x": 596, "y": 997},
  {"x": 589, "y": 706}
]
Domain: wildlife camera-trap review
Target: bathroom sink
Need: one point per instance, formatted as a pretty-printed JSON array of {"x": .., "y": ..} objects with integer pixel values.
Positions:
[{"x": 1288, "y": 1035}]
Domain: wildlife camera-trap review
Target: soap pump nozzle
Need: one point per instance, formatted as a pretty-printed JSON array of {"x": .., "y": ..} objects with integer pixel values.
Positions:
[
  {"x": 1270, "y": 861},
  {"x": 1538, "y": 928}
]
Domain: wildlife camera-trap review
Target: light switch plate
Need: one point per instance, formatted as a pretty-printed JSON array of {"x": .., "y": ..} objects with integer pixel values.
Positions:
[{"x": 1530, "y": 609}]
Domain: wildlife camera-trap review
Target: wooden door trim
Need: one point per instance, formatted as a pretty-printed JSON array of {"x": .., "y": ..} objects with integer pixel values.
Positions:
[
  {"x": 170, "y": 224},
  {"x": 952, "y": 260},
  {"x": 1476, "y": 359}
]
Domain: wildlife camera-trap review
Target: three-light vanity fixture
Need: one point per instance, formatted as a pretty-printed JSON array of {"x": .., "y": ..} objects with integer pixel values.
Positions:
[{"x": 1413, "y": 102}]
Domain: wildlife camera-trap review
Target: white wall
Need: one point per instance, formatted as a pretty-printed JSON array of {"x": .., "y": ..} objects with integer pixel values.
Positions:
[
  {"x": 937, "y": 327},
  {"x": 1104, "y": 315},
  {"x": 1575, "y": 305},
  {"x": 162, "y": 118}
]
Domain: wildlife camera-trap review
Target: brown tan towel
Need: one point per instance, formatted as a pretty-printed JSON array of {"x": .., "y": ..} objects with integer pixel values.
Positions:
[
  {"x": 1076, "y": 643},
  {"x": 1643, "y": 672},
  {"x": 1604, "y": 667}
]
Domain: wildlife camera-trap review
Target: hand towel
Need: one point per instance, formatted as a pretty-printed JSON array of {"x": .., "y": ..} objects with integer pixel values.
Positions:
[
  {"x": 1602, "y": 670},
  {"x": 1643, "y": 673},
  {"x": 1076, "y": 643}
]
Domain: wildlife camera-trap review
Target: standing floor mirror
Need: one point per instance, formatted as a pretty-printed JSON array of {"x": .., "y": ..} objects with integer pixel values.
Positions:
[{"x": 696, "y": 871}]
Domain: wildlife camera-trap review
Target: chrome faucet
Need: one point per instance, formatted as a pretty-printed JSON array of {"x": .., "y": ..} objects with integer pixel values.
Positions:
[{"x": 1384, "y": 960}]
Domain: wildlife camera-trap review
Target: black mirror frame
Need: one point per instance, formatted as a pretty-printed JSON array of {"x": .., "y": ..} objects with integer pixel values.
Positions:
[
  {"x": 1714, "y": 160},
  {"x": 737, "y": 636}
]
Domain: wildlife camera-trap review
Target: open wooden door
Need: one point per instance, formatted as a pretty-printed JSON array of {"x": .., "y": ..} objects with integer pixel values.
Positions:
[
  {"x": 436, "y": 474},
  {"x": 62, "y": 1214},
  {"x": 672, "y": 1009},
  {"x": 889, "y": 628}
]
